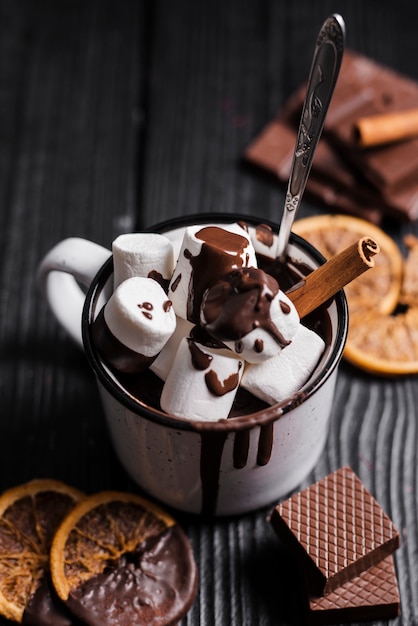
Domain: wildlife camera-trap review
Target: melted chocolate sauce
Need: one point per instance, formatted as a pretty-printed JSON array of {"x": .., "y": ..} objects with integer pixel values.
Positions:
[
  {"x": 158, "y": 277},
  {"x": 258, "y": 345},
  {"x": 284, "y": 307},
  {"x": 264, "y": 234},
  {"x": 221, "y": 387},
  {"x": 239, "y": 302},
  {"x": 176, "y": 283},
  {"x": 200, "y": 335},
  {"x": 148, "y": 308},
  {"x": 221, "y": 252},
  {"x": 200, "y": 360}
]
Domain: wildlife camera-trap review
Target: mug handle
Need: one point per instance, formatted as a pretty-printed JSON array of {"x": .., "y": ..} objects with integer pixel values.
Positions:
[{"x": 71, "y": 262}]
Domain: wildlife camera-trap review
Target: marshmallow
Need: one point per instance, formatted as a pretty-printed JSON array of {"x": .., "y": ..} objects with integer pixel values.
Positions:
[
  {"x": 202, "y": 382},
  {"x": 281, "y": 376},
  {"x": 163, "y": 363},
  {"x": 134, "y": 324},
  {"x": 247, "y": 312},
  {"x": 142, "y": 254},
  {"x": 207, "y": 252},
  {"x": 263, "y": 239}
]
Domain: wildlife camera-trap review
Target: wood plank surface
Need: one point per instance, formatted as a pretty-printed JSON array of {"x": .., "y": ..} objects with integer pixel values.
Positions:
[{"x": 118, "y": 114}]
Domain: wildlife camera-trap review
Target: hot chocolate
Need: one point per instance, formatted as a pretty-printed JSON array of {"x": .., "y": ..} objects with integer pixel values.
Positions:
[{"x": 239, "y": 317}]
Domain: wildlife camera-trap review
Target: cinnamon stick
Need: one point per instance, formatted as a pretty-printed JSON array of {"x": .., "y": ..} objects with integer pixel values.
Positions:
[
  {"x": 324, "y": 282},
  {"x": 376, "y": 130}
]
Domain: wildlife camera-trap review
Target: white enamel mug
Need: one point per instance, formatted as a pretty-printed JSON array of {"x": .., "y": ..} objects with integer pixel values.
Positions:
[{"x": 217, "y": 468}]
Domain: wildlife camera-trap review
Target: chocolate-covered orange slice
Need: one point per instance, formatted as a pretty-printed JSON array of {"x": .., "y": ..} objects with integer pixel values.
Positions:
[
  {"x": 29, "y": 516},
  {"x": 119, "y": 559}
]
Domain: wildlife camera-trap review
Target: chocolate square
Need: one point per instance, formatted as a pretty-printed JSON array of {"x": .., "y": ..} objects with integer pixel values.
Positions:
[
  {"x": 373, "y": 595},
  {"x": 336, "y": 529}
]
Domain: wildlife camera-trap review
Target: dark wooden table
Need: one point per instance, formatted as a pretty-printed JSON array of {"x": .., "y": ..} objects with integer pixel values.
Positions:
[{"x": 117, "y": 114}]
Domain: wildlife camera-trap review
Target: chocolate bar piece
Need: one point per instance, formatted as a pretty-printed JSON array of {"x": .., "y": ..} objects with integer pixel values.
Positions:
[
  {"x": 373, "y": 595},
  {"x": 368, "y": 183},
  {"x": 366, "y": 88},
  {"x": 336, "y": 530},
  {"x": 330, "y": 183}
]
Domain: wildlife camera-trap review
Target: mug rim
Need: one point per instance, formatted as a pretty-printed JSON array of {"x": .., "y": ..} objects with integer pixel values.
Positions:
[{"x": 266, "y": 415}]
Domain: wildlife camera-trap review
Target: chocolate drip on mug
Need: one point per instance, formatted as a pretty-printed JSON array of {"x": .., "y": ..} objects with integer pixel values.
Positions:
[
  {"x": 210, "y": 465},
  {"x": 265, "y": 444},
  {"x": 241, "y": 448}
]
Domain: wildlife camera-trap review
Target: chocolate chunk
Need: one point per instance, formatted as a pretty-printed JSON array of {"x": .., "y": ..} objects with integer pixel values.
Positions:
[
  {"x": 373, "y": 595},
  {"x": 369, "y": 183},
  {"x": 331, "y": 183},
  {"x": 336, "y": 529},
  {"x": 367, "y": 88}
]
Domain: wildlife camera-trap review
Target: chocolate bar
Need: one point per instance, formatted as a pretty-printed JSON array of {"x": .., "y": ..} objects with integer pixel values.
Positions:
[
  {"x": 330, "y": 183},
  {"x": 366, "y": 182},
  {"x": 373, "y": 595},
  {"x": 336, "y": 529},
  {"x": 366, "y": 88}
]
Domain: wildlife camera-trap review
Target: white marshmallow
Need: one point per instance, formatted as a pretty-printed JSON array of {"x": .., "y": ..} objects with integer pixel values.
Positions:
[
  {"x": 182, "y": 287},
  {"x": 280, "y": 377},
  {"x": 140, "y": 315},
  {"x": 259, "y": 345},
  {"x": 139, "y": 254},
  {"x": 263, "y": 239},
  {"x": 164, "y": 361},
  {"x": 188, "y": 392}
]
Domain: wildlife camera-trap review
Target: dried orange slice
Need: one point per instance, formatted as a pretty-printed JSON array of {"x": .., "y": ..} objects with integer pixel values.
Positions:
[
  {"x": 118, "y": 558},
  {"x": 378, "y": 288},
  {"x": 29, "y": 516},
  {"x": 388, "y": 344},
  {"x": 384, "y": 344},
  {"x": 409, "y": 291},
  {"x": 382, "y": 337}
]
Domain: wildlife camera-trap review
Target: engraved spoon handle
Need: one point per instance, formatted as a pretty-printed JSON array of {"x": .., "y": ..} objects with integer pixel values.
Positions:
[{"x": 323, "y": 75}]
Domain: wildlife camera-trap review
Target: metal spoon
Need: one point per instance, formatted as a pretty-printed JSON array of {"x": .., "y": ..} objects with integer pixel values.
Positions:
[{"x": 324, "y": 72}]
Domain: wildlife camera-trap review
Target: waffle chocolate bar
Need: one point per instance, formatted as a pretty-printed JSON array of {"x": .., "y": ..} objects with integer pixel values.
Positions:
[{"x": 343, "y": 541}]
